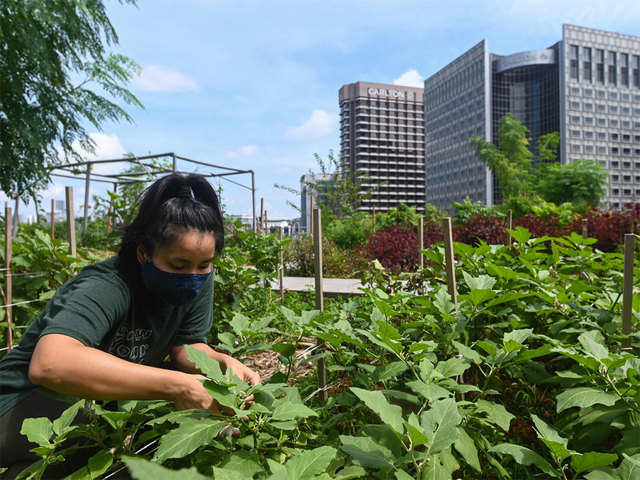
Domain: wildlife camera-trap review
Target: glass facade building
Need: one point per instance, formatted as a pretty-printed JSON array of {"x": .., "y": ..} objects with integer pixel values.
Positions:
[{"x": 586, "y": 86}]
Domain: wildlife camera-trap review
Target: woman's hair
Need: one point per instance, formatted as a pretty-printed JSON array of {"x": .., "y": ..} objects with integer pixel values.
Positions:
[{"x": 169, "y": 207}]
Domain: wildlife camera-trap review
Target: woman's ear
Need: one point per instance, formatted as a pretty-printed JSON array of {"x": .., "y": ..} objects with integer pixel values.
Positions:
[{"x": 142, "y": 256}]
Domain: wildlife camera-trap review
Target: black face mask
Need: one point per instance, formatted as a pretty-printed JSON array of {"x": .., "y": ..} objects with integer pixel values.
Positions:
[{"x": 175, "y": 288}]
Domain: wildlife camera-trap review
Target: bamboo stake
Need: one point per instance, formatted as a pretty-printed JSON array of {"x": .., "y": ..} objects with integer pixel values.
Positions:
[
  {"x": 449, "y": 260},
  {"x": 627, "y": 293},
  {"x": 8, "y": 252},
  {"x": 317, "y": 243},
  {"x": 585, "y": 228},
  {"x": 421, "y": 242},
  {"x": 53, "y": 219},
  {"x": 71, "y": 221},
  {"x": 281, "y": 266}
]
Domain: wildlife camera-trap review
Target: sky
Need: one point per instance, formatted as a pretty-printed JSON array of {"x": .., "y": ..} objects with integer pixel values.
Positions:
[{"x": 253, "y": 84}]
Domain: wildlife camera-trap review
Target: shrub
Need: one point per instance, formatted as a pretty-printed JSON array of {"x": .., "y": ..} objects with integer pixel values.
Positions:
[
  {"x": 481, "y": 228},
  {"x": 539, "y": 227},
  {"x": 336, "y": 262},
  {"x": 607, "y": 227},
  {"x": 395, "y": 247},
  {"x": 351, "y": 231}
]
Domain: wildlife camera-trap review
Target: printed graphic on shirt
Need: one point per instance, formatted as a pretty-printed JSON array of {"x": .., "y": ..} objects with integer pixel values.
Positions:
[{"x": 130, "y": 344}]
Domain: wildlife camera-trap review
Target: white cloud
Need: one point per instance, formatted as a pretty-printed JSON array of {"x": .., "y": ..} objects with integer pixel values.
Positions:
[
  {"x": 106, "y": 147},
  {"x": 245, "y": 151},
  {"x": 319, "y": 124},
  {"x": 410, "y": 78},
  {"x": 156, "y": 78}
]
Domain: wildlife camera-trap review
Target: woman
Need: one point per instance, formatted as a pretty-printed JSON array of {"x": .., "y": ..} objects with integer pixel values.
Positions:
[{"x": 105, "y": 333}]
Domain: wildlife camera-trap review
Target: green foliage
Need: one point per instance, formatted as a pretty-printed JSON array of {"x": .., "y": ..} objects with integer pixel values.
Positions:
[
  {"x": 581, "y": 182},
  {"x": 350, "y": 231},
  {"x": 56, "y": 76},
  {"x": 467, "y": 209},
  {"x": 510, "y": 161},
  {"x": 402, "y": 215}
]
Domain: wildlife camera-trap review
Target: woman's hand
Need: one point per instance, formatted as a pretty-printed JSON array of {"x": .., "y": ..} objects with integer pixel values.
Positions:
[
  {"x": 196, "y": 396},
  {"x": 242, "y": 371}
]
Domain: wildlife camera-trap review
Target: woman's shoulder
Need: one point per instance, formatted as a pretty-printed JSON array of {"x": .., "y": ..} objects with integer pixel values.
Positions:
[{"x": 105, "y": 272}]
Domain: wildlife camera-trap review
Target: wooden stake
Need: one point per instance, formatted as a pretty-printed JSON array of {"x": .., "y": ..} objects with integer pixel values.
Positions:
[
  {"x": 585, "y": 228},
  {"x": 281, "y": 266},
  {"x": 627, "y": 293},
  {"x": 421, "y": 242},
  {"x": 317, "y": 244},
  {"x": 109, "y": 216},
  {"x": 262, "y": 214},
  {"x": 373, "y": 218},
  {"x": 71, "y": 221},
  {"x": 53, "y": 219},
  {"x": 8, "y": 252},
  {"x": 311, "y": 222},
  {"x": 449, "y": 260}
]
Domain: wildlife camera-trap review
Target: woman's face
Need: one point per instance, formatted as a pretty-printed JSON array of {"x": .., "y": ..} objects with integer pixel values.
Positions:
[{"x": 191, "y": 252}]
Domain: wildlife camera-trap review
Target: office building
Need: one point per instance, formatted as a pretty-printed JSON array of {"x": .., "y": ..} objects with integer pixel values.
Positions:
[
  {"x": 586, "y": 86},
  {"x": 382, "y": 141},
  {"x": 307, "y": 191}
]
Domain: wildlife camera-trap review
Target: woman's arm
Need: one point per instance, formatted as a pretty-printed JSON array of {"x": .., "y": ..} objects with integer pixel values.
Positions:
[
  {"x": 66, "y": 365},
  {"x": 181, "y": 361}
]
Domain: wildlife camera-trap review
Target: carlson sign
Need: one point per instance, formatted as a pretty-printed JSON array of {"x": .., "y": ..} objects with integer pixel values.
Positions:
[{"x": 386, "y": 92}]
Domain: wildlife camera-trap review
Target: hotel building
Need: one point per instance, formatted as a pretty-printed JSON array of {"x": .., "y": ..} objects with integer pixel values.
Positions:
[{"x": 382, "y": 141}]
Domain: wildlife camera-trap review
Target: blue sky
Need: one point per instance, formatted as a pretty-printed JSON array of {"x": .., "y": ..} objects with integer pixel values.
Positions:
[{"x": 253, "y": 84}]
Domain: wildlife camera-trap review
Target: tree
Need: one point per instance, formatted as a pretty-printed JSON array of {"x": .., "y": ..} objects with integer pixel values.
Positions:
[
  {"x": 510, "y": 161},
  {"x": 55, "y": 76},
  {"x": 336, "y": 188},
  {"x": 579, "y": 182}
]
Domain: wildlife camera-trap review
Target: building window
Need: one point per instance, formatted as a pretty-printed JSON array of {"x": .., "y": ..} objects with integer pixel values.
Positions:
[
  {"x": 602, "y": 136},
  {"x": 613, "y": 164},
  {"x": 602, "y": 149},
  {"x": 624, "y": 69},
  {"x": 636, "y": 70},
  {"x": 602, "y": 107},
  {"x": 586, "y": 70},
  {"x": 588, "y": 120},
  {"x": 575, "y": 91},
  {"x": 588, "y": 134},
  {"x": 613, "y": 109},
  {"x": 588, "y": 107},
  {"x": 575, "y": 148},
  {"x": 599, "y": 66},
  {"x": 588, "y": 149},
  {"x": 615, "y": 192},
  {"x": 614, "y": 137},
  {"x": 575, "y": 133},
  {"x": 613, "y": 68},
  {"x": 574, "y": 62},
  {"x": 602, "y": 122},
  {"x": 615, "y": 178},
  {"x": 588, "y": 92}
]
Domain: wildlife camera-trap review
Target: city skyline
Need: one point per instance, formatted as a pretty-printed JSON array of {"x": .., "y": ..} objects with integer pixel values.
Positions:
[{"x": 252, "y": 84}]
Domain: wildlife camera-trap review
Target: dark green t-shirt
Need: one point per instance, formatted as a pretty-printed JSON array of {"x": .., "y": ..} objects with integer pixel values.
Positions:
[{"x": 102, "y": 310}]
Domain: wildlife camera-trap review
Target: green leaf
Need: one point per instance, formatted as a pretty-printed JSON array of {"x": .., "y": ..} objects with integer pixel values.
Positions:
[
  {"x": 207, "y": 365},
  {"x": 452, "y": 367},
  {"x": 226, "y": 473},
  {"x": 468, "y": 353},
  {"x": 287, "y": 350},
  {"x": 480, "y": 296},
  {"x": 376, "y": 401},
  {"x": 443, "y": 301},
  {"x": 96, "y": 466},
  {"x": 142, "y": 469},
  {"x": 520, "y": 234},
  {"x": 440, "y": 424},
  {"x": 389, "y": 371},
  {"x": 593, "y": 344},
  {"x": 552, "y": 439},
  {"x": 288, "y": 411},
  {"x": 190, "y": 435},
  {"x": 310, "y": 463},
  {"x": 525, "y": 457},
  {"x": 466, "y": 447},
  {"x": 64, "y": 421},
  {"x": 440, "y": 467},
  {"x": 402, "y": 475},
  {"x": 590, "y": 460},
  {"x": 221, "y": 394},
  {"x": 518, "y": 336},
  {"x": 584, "y": 397},
  {"x": 429, "y": 391},
  {"x": 496, "y": 413},
  {"x": 367, "y": 453},
  {"x": 482, "y": 282},
  {"x": 38, "y": 430},
  {"x": 351, "y": 473},
  {"x": 240, "y": 324}
]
